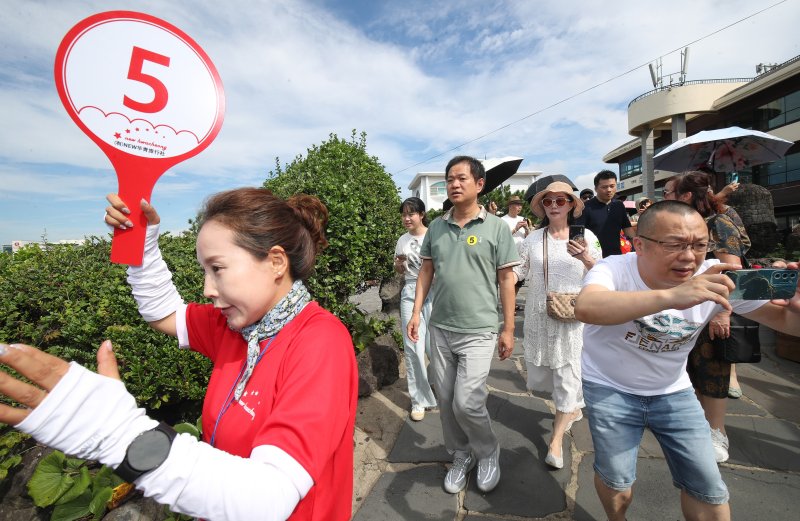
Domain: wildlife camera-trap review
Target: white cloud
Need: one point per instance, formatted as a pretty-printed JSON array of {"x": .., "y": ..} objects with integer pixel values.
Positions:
[{"x": 419, "y": 77}]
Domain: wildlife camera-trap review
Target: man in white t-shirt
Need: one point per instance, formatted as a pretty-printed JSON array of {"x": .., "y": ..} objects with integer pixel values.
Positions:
[
  {"x": 643, "y": 312},
  {"x": 516, "y": 223},
  {"x": 519, "y": 230}
]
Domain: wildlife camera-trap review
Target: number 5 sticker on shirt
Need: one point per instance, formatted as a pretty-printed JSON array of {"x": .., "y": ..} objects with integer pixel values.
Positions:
[{"x": 147, "y": 95}]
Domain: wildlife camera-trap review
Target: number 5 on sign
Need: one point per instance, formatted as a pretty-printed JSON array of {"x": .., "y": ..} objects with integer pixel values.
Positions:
[{"x": 147, "y": 95}]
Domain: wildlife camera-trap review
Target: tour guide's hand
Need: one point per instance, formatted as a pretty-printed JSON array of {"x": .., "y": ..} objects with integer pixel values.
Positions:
[
  {"x": 45, "y": 371},
  {"x": 711, "y": 285},
  {"x": 505, "y": 344},
  {"x": 82, "y": 413},
  {"x": 412, "y": 330},
  {"x": 117, "y": 213}
]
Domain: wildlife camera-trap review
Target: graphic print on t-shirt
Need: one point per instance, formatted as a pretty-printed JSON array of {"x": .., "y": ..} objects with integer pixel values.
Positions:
[
  {"x": 661, "y": 333},
  {"x": 412, "y": 257}
]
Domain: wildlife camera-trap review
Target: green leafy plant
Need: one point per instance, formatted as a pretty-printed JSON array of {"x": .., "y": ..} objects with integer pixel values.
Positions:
[
  {"x": 366, "y": 329},
  {"x": 12, "y": 445},
  {"x": 74, "y": 488},
  {"x": 195, "y": 429}
]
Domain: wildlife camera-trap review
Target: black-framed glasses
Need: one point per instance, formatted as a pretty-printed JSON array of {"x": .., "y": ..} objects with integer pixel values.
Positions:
[
  {"x": 678, "y": 247},
  {"x": 560, "y": 201}
]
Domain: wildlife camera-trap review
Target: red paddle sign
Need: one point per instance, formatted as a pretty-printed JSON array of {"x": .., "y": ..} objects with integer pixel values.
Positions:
[{"x": 147, "y": 95}]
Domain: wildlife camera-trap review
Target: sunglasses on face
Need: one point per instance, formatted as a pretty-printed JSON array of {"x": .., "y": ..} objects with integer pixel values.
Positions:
[{"x": 559, "y": 201}]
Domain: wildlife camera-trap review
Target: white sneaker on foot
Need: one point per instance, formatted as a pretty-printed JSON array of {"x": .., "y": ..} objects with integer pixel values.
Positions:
[
  {"x": 456, "y": 478},
  {"x": 489, "y": 471},
  {"x": 417, "y": 413},
  {"x": 720, "y": 443}
]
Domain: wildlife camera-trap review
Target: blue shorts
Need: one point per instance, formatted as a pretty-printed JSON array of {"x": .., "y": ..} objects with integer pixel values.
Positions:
[{"x": 617, "y": 421}]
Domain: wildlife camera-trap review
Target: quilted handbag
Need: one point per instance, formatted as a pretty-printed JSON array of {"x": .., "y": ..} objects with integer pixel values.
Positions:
[{"x": 560, "y": 306}]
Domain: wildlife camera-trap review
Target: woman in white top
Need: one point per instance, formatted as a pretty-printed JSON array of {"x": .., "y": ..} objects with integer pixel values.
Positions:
[
  {"x": 408, "y": 262},
  {"x": 552, "y": 347}
]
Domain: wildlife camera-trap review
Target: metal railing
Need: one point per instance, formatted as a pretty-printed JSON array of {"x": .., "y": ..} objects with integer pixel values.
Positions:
[{"x": 693, "y": 82}]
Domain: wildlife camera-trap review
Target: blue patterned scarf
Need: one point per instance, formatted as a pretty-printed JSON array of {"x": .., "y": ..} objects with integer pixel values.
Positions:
[{"x": 284, "y": 311}]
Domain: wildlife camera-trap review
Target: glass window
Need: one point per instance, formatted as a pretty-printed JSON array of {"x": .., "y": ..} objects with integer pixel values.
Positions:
[
  {"x": 779, "y": 112},
  {"x": 781, "y": 171},
  {"x": 439, "y": 188},
  {"x": 630, "y": 168}
]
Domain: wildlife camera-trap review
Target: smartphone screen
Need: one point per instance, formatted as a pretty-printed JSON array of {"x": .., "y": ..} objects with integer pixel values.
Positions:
[
  {"x": 763, "y": 284},
  {"x": 576, "y": 232}
]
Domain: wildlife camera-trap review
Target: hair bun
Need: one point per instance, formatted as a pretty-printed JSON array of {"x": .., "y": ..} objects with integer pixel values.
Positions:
[{"x": 310, "y": 211}]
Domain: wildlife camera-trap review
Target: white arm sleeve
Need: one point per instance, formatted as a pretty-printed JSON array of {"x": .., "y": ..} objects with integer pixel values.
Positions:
[
  {"x": 151, "y": 283},
  {"x": 94, "y": 417}
]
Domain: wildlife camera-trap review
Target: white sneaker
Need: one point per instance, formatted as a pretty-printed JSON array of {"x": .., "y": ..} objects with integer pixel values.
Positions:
[
  {"x": 417, "y": 413},
  {"x": 456, "y": 478},
  {"x": 489, "y": 471},
  {"x": 720, "y": 443}
]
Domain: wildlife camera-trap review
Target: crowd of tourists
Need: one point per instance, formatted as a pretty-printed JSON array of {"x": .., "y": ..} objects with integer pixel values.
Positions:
[{"x": 624, "y": 336}]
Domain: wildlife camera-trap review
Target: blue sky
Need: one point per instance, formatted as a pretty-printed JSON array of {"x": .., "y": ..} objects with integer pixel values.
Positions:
[{"x": 419, "y": 77}]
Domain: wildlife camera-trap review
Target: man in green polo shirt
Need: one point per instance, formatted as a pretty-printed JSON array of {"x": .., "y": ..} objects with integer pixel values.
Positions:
[{"x": 470, "y": 251}]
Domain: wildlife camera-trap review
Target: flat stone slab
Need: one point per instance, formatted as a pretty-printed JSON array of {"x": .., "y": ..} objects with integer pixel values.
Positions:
[
  {"x": 768, "y": 384},
  {"x": 505, "y": 376},
  {"x": 744, "y": 406},
  {"x": 768, "y": 443},
  {"x": 420, "y": 442},
  {"x": 528, "y": 487},
  {"x": 758, "y": 494},
  {"x": 416, "y": 493}
]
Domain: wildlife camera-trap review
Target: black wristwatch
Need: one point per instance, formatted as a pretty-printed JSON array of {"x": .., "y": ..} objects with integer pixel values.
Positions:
[{"x": 146, "y": 452}]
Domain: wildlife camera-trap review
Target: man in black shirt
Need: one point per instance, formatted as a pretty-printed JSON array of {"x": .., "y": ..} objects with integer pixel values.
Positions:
[{"x": 606, "y": 216}]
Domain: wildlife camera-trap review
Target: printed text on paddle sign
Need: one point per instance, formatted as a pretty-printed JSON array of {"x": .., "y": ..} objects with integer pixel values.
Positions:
[{"x": 147, "y": 95}]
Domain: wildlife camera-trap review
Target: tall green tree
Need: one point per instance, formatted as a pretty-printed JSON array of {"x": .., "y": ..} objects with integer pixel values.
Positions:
[{"x": 364, "y": 221}]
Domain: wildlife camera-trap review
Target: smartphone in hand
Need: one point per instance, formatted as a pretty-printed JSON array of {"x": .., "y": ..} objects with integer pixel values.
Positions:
[
  {"x": 576, "y": 232},
  {"x": 763, "y": 284}
]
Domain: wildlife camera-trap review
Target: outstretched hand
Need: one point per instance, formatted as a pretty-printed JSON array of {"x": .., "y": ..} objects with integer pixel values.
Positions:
[
  {"x": 45, "y": 371},
  {"x": 117, "y": 213},
  {"x": 711, "y": 285}
]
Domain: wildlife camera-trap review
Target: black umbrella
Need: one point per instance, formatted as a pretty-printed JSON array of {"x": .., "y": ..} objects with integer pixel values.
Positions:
[
  {"x": 542, "y": 182},
  {"x": 498, "y": 170}
]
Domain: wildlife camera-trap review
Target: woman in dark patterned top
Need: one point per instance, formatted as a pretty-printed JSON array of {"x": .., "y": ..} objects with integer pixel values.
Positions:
[{"x": 710, "y": 376}]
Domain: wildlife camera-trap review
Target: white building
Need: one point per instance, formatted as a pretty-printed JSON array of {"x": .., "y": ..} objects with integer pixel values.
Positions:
[
  {"x": 431, "y": 186},
  {"x": 16, "y": 245}
]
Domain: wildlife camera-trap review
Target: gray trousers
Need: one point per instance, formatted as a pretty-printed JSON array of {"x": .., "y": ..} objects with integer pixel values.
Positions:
[{"x": 461, "y": 364}]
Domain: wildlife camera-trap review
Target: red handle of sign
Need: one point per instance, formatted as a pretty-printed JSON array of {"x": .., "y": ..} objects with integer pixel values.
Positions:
[{"x": 135, "y": 184}]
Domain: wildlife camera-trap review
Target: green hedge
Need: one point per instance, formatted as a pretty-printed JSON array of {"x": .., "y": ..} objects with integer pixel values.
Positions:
[{"x": 66, "y": 299}]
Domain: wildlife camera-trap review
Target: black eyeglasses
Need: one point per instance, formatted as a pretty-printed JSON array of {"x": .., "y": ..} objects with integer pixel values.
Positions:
[
  {"x": 678, "y": 247},
  {"x": 560, "y": 201}
]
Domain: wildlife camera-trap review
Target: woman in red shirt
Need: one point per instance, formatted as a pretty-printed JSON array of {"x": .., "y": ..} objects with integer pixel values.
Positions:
[{"x": 279, "y": 412}]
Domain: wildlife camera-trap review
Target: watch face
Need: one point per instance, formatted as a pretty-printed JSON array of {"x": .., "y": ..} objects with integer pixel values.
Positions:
[{"x": 148, "y": 450}]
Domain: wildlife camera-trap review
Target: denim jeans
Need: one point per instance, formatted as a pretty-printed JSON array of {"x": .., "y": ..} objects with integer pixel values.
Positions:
[
  {"x": 617, "y": 421},
  {"x": 419, "y": 388}
]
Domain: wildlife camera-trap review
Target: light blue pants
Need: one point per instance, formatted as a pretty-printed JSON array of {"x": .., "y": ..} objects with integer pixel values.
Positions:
[
  {"x": 461, "y": 363},
  {"x": 419, "y": 387}
]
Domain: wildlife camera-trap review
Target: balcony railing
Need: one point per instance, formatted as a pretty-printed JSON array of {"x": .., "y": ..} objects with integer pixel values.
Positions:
[{"x": 691, "y": 82}]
